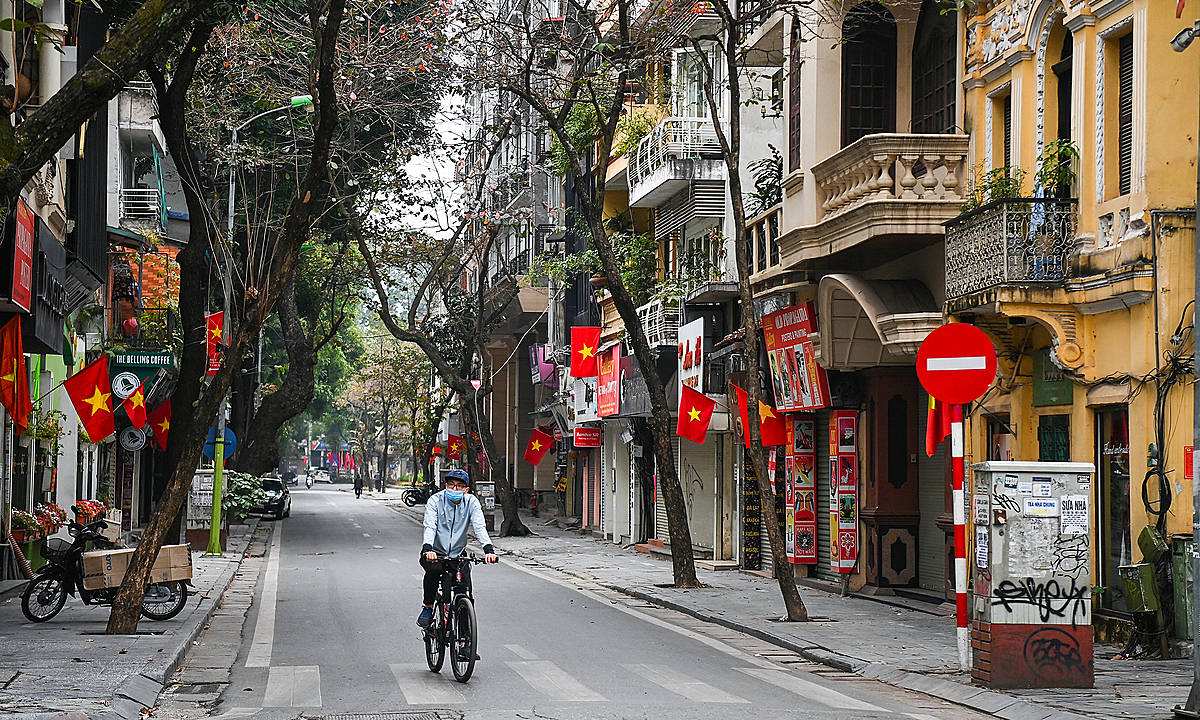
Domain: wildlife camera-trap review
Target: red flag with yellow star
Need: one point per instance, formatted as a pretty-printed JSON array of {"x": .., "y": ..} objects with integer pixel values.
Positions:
[
  {"x": 454, "y": 445},
  {"x": 695, "y": 413},
  {"x": 91, "y": 394},
  {"x": 770, "y": 422},
  {"x": 135, "y": 406},
  {"x": 160, "y": 423},
  {"x": 14, "y": 380},
  {"x": 539, "y": 444},
  {"x": 214, "y": 325},
  {"x": 585, "y": 345}
]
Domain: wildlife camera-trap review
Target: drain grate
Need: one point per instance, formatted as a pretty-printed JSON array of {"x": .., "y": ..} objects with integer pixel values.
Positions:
[{"x": 416, "y": 715}]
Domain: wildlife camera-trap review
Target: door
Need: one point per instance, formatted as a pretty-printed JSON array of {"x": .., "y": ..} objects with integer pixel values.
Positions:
[{"x": 1112, "y": 467}]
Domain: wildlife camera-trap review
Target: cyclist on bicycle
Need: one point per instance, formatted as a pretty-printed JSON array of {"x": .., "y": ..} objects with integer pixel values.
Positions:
[{"x": 447, "y": 515}]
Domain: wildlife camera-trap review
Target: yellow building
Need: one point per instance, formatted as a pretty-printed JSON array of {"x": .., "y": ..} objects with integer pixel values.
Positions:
[{"x": 1085, "y": 291}]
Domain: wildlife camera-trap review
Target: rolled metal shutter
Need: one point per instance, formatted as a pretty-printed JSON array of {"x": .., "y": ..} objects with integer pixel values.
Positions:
[
  {"x": 660, "y": 508},
  {"x": 824, "y": 566},
  {"x": 931, "y": 499}
]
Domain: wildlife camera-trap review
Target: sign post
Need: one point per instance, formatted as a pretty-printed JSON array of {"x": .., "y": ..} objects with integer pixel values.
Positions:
[{"x": 957, "y": 364}]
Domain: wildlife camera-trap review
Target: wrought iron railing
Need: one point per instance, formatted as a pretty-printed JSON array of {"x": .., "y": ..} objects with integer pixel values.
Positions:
[
  {"x": 753, "y": 13},
  {"x": 141, "y": 204},
  {"x": 674, "y": 137},
  {"x": 1017, "y": 241},
  {"x": 660, "y": 320}
]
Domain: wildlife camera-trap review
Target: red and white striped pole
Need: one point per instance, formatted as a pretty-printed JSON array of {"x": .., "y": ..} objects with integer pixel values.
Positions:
[{"x": 960, "y": 535}]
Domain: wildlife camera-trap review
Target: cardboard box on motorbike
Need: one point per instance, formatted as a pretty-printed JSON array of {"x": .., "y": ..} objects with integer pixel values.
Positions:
[{"x": 106, "y": 568}]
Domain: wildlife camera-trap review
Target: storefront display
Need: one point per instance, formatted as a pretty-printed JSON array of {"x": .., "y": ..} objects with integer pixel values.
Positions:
[{"x": 843, "y": 490}]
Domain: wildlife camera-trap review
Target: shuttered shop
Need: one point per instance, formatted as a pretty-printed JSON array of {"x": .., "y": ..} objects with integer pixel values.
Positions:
[
  {"x": 931, "y": 543},
  {"x": 824, "y": 566},
  {"x": 660, "y": 507}
]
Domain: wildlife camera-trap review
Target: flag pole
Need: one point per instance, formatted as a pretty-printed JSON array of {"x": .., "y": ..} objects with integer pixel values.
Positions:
[{"x": 960, "y": 536}]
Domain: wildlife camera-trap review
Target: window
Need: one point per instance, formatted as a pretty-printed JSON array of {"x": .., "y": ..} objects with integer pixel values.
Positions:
[
  {"x": 1062, "y": 74},
  {"x": 1125, "y": 114},
  {"x": 868, "y": 72},
  {"x": 1006, "y": 112},
  {"x": 690, "y": 100},
  {"x": 1112, "y": 466},
  {"x": 933, "y": 63},
  {"x": 1054, "y": 438},
  {"x": 1000, "y": 438},
  {"x": 794, "y": 104}
]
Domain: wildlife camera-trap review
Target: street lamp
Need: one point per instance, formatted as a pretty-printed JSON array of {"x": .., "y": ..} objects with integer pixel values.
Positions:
[
  {"x": 1191, "y": 708},
  {"x": 214, "y": 532}
]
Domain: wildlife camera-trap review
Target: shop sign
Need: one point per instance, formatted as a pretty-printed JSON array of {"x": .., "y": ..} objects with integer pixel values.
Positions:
[
  {"x": 609, "y": 383},
  {"x": 22, "y": 267},
  {"x": 635, "y": 396},
  {"x": 541, "y": 367},
  {"x": 691, "y": 355},
  {"x": 801, "y": 489},
  {"x": 751, "y": 515},
  {"x": 843, "y": 490},
  {"x": 583, "y": 399},
  {"x": 587, "y": 437},
  {"x": 799, "y": 382}
]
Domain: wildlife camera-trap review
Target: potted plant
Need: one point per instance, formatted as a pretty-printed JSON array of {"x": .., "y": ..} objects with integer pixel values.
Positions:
[
  {"x": 51, "y": 517},
  {"x": 25, "y": 526}
]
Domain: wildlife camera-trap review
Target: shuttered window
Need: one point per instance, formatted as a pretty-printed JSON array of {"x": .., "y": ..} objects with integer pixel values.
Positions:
[
  {"x": 1125, "y": 114},
  {"x": 794, "y": 104},
  {"x": 868, "y": 72},
  {"x": 933, "y": 61},
  {"x": 1008, "y": 131}
]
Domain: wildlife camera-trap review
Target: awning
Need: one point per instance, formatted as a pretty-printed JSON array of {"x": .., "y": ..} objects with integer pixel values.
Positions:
[{"x": 871, "y": 323}]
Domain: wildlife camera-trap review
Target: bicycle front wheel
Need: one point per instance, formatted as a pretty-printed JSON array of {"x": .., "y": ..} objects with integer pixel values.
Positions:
[
  {"x": 435, "y": 649},
  {"x": 465, "y": 636}
]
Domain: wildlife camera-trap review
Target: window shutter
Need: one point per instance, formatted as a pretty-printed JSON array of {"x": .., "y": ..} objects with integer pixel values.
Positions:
[
  {"x": 1008, "y": 131},
  {"x": 1125, "y": 113},
  {"x": 794, "y": 106}
]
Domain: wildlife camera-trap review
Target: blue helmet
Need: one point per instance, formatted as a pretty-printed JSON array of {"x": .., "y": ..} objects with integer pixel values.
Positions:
[{"x": 460, "y": 475}]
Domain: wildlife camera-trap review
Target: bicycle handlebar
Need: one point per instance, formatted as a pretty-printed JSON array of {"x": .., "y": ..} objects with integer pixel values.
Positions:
[{"x": 470, "y": 557}]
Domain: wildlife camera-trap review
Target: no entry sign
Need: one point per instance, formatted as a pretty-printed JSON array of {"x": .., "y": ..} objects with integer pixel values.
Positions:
[{"x": 956, "y": 363}]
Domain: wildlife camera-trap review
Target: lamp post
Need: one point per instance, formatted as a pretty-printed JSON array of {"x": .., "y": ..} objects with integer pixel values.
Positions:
[
  {"x": 1191, "y": 708},
  {"x": 214, "y": 532}
]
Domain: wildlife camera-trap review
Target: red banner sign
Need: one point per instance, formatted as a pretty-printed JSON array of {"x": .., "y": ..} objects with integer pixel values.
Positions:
[
  {"x": 608, "y": 391},
  {"x": 843, "y": 490},
  {"x": 22, "y": 272},
  {"x": 799, "y": 382},
  {"x": 802, "y": 490},
  {"x": 587, "y": 436}
]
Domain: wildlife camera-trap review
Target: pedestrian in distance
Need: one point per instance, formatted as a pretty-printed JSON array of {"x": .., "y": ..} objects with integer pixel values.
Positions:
[{"x": 358, "y": 485}]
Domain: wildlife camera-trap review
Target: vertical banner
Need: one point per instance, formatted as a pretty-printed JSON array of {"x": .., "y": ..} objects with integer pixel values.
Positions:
[
  {"x": 751, "y": 516},
  {"x": 843, "y": 490},
  {"x": 799, "y": 382},
  {"x": 691, "y": 355},
  {"x": 801, "y": 439},
  {"x": 789, "y": 506},
  {"x": 608, "y": 390},
  {"x": 21, "y": 290}
]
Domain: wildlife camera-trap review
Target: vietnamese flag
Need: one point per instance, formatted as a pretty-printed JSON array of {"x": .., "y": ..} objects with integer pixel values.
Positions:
[
  {"x": 91, "y": 394},
  {"x": 214, "y": 326},
  {"x": 770, "y": 423},
  {"x": 135, "y": 406},
  {"x": 585, "y": 346},
  {"x": 937, "y": 425},
  {"x": 695, "y": 412},
  {"x": 14, "y": 379},
  {"x": 539, "y": 444},
  {"x": 160, "y": 423},
  {"x": 455, "y": 445}
]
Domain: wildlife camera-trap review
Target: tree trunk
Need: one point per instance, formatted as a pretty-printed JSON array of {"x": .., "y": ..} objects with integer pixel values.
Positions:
[{"x": 478, "y": 423}]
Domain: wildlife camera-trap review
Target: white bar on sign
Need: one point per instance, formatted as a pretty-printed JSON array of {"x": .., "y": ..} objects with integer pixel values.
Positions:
[{"x": 975, "y": 362}]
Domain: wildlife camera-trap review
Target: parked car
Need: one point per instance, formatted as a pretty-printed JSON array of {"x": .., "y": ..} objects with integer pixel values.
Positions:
[
  {"x": 278, "y": 501},
  {"x": 320, "y": 475},
  {"x": 290, "y": 478}
]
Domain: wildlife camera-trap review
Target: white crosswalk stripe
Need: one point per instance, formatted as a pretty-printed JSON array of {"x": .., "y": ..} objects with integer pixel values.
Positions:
[
  {"x": 809, "y": 689},
  {"x": 521, "y": 652},
  {"x": 293, "y": 686},
  {"x": 554, "y": 682},
  {"x": 680, "y": 684},
  {"x": 421, "y": 687}
]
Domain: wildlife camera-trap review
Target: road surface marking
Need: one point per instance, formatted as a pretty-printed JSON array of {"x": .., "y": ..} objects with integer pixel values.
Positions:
[
  {"x": 264, "y": 629},
  {"x": 421, "y": 687},
  {"x": 967, "y": 362},
  {"x": 293, "y": 686},
  {"x": 366, "y": 534},
  {"x": 394, "y": 560},
  {"x": 682, "y": 685},
  {"x": 810, "y": 690},
  {"x": 521, "y": 652},
  {"x": 554, "y": 682}
]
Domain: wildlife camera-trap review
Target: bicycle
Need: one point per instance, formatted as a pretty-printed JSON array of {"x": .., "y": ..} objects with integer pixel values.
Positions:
[{"x": 453, "y": 621}]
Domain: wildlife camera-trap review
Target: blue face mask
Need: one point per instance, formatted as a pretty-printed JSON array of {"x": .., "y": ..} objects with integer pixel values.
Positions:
[{"x": 455, "y": 495}]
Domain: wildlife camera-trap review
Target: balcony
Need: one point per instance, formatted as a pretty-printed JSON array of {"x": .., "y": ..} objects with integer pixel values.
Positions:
[
  {"x": 140, "y": 328},
  {"x": 677, "y": 152},
  {"x": 142, "y": 205},
  {"x": 893, "y": 188},
  {"x": 660, "y": 320},
  {"x": 1012, "y": 242}
]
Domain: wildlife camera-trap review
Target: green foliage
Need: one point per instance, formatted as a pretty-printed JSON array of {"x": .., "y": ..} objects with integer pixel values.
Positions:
[
  {"x": 242, "y": 492},
  {"x": 636, "y": 260},
  {"x": 995, "y": 184},
  {"x": 580, "y": 127},
  {"x": 768, "y": 183},
  {"x": 1056, "y": 168},
  {"x": 632, "y": 128}
]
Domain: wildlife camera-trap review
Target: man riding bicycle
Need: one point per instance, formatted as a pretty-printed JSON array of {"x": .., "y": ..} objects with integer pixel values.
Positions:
[{"x": 447, "y": 516}]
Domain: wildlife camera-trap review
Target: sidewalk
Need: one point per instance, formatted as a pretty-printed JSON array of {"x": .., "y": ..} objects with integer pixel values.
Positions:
[
  {"x": 69, "y": 665},
  {"x": 908, "y": 648}
]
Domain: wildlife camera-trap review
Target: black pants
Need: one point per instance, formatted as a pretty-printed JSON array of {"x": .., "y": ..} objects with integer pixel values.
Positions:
[{"x": 433, "y": 576}]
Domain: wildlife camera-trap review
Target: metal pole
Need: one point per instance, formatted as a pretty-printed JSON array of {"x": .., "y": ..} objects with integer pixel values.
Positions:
[
  {"x": 1191, "y": 709},
  {"x": 960, "y": 536}
]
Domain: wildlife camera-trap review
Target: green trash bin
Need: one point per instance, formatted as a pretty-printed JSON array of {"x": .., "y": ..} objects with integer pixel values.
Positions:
[
  {"x": 1141, "y": 588},
  {"x": 1182, "y": 575}
]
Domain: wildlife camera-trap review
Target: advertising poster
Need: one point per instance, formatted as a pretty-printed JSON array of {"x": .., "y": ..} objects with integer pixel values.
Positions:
[
  {"x": 803, "y": 504},
  {"x": 789, "y": 516},
  {"x": 799, "y": 382},
  {"x": 843, "y": 490},
  {"x": 609, "y": 388},
  {"x": 691, "y": 355}
]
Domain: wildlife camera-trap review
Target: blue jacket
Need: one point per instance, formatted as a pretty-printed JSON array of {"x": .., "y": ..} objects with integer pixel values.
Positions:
[{"x": 446, "y": 525}]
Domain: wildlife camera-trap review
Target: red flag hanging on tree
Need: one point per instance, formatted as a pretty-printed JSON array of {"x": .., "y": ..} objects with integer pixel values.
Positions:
[
  {"x": 14, "y": 380},
  {"x": 695, "y": 413},
  {"x": 539, "y": 444},
  {"x": 770, "y": 422},
  {"x": 135, "y": 406},
  {"x": 585, "y": 346},
  {"x": 160, "y": 423},
  {"x": 454, "y": 443},
  {"x": 91, "y": 394},
  {"x": 215, "y": 326}
]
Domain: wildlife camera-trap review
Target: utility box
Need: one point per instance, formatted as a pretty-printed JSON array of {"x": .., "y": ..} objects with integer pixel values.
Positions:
[
  {"x": 1031, "y": 617},
  {"x": 1182, "y": 577},
  {"x": 486, "y": 491}
]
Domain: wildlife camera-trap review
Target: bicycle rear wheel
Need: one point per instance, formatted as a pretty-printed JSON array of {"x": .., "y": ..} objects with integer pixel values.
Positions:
[
  {"x": 435, "y": 649},
  {"x": 465, "y": 635}
]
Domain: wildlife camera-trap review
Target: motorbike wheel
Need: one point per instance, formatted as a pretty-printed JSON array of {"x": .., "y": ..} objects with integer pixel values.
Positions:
[
  {"x": 170, "y": 596},
  {"x": 43, "y": 598},
  {"x": 409, "y": 497}
]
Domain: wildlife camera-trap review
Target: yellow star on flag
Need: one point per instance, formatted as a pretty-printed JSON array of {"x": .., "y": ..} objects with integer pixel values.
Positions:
[
  {"x": 215, "y": 332},
  {"x": 764, "y": 411},
  {"x": 99, "y": 401},
  {"x": 694, "y": 414},
  {"x": 137, "y": 400},
  {"x": 537, "y": 445},
  {"x": 586, "y": 352},
  {"x": 165, "y": 425},
  {"x": 11, "y": 377}
]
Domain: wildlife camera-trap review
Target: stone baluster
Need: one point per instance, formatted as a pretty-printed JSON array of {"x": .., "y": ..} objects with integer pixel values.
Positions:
[
  {"x": 907, "y": 181},
  {"x": 929, "y": 180},
  {"x": 884, "y": 185},
  {"x": 950, "y": 181}
]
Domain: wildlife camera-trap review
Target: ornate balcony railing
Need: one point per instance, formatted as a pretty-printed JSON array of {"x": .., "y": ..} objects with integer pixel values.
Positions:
[
  {"x": 674, "y": 137},
  {"x": 890, "y": 166},
  {"x": 1017, "y": 241},
  {"x": 661, "y": 322}
]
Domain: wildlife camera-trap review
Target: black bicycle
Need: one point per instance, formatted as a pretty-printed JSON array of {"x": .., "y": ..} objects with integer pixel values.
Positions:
[{"x": 453, "y": 627}]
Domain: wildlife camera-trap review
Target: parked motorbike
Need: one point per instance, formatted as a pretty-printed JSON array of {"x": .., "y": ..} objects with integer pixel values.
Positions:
[
  {"x": 418, "y": 495},
  {"x": 46, "y": 593}
]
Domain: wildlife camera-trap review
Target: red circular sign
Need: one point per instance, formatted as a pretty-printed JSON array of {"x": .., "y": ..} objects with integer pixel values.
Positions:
[{"x": 956, "y": 363}]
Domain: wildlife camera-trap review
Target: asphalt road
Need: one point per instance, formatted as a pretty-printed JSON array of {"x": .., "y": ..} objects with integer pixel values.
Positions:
[{"x": 332, "y": 632}]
